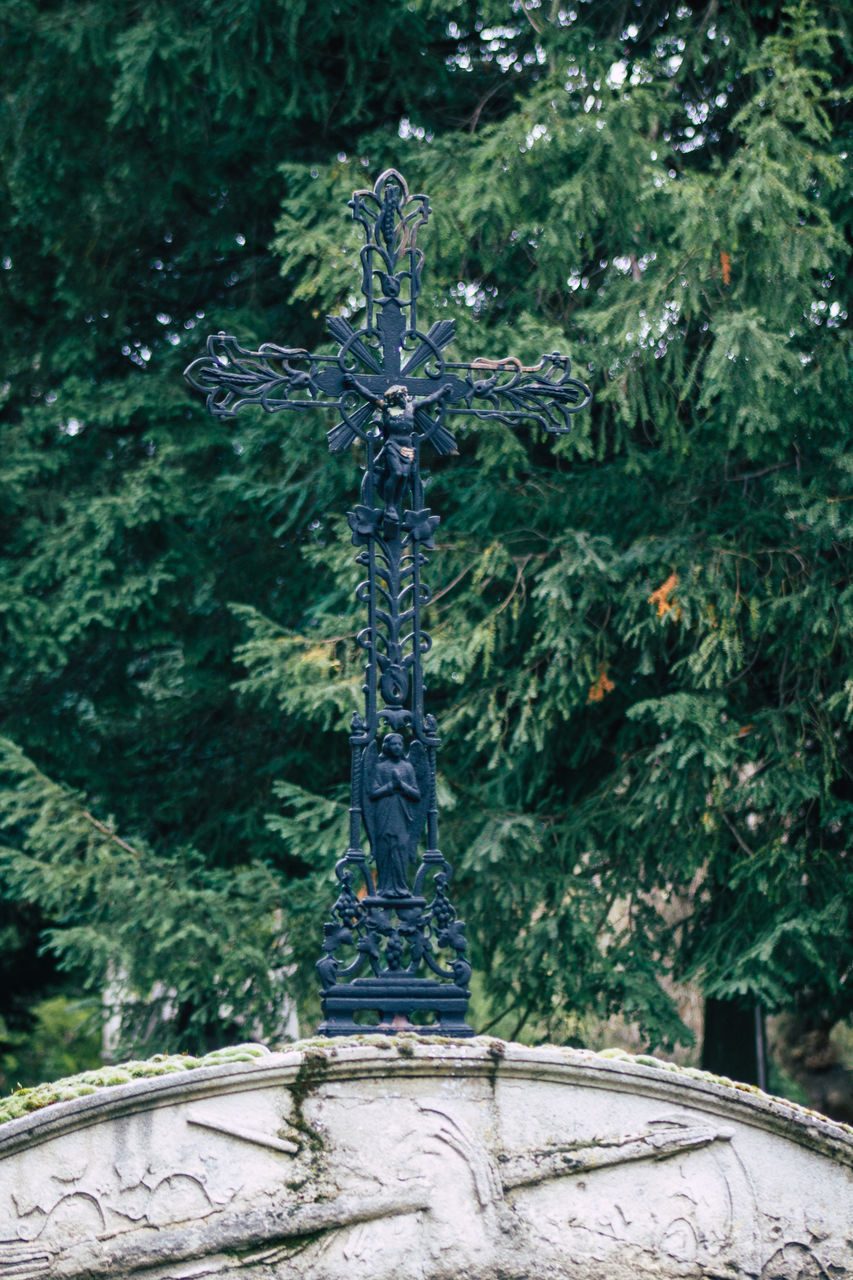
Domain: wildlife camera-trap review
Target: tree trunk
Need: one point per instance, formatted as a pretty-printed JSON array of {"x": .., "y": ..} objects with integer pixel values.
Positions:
[
  {"x": 733, "y": 1044},
  {"x": 804, "y": 1050}
]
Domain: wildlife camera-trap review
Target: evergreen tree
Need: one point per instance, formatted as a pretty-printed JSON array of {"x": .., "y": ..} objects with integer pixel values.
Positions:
[{"x": 647, "y": 766}]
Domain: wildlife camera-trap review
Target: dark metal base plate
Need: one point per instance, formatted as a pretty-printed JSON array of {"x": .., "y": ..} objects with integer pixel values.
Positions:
[{"x": 396, "y": 1002}]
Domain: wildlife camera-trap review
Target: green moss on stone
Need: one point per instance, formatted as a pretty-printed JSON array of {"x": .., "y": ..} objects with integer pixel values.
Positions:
[
  {"x": 317, "y": 1054},
  {"x": 23, "y": 1101},
  {"x": 696, "y": 1073}
]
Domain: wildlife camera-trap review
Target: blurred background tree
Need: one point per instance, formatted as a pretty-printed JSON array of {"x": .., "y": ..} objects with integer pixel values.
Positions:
[{"x": 642, "y": 636}]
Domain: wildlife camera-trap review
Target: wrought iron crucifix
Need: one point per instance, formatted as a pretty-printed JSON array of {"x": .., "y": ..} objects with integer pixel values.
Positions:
[{"x": 394, "y": 949}]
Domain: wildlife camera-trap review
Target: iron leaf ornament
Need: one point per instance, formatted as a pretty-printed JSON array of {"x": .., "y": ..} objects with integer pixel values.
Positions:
[{"x": 394, "y": 953}]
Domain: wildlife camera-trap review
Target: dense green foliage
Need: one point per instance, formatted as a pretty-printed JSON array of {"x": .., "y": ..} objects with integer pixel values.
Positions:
[{"x": 643, "y": 634}]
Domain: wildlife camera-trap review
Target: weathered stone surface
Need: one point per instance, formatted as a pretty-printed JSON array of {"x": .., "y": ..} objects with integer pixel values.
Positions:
[{"x": 417, "y": 1159}]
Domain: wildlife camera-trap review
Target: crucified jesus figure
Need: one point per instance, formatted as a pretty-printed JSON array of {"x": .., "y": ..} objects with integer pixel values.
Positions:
[{"x": 396, "y": 459}]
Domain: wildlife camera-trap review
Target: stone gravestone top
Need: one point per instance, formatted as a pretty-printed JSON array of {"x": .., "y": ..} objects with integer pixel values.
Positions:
[{"x": 403, "y": 1159}]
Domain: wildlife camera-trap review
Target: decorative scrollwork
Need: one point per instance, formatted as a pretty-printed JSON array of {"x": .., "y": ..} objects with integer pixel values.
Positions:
[
  {"x": 273, "y": 377},
  {"x": 389, "y": 934},
  {"x": 389, "y": 215},
  {"x": 545, "y": 394},
  {"x": 390, "y": 218}
]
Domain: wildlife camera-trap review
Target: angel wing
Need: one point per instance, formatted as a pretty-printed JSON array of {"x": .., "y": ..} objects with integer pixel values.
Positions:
[
  {"x": 369, "y": 757},
  {"x": 419, "y": 762}
]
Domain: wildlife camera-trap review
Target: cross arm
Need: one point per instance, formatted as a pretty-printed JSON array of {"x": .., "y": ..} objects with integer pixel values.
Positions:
[
  {"x": 231, "y": 376},
  {"x": 514, "y": 393}
]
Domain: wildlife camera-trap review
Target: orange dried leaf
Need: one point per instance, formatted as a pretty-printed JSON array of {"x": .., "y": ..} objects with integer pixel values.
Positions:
[
  {"x": 726, "y": 264},
  {"x": 660, "y": 598},
  {"x": 602, "y": 686}
]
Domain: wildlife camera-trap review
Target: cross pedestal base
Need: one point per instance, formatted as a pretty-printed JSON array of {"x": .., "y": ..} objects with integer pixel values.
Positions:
[{"x": 400, "y": 1004}]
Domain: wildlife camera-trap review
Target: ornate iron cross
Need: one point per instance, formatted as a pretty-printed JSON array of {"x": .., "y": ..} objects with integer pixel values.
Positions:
[{"x": 394, "y": 949}]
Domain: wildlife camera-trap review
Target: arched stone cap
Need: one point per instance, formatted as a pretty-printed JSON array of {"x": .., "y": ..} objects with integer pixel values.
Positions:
[{"x": 397, "y": 1158}]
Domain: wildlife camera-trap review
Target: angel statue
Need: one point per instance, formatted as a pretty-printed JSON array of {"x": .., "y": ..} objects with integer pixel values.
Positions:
[
  {"x": 395, "y": 462},
  {"x": 395, "y": 800}
]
